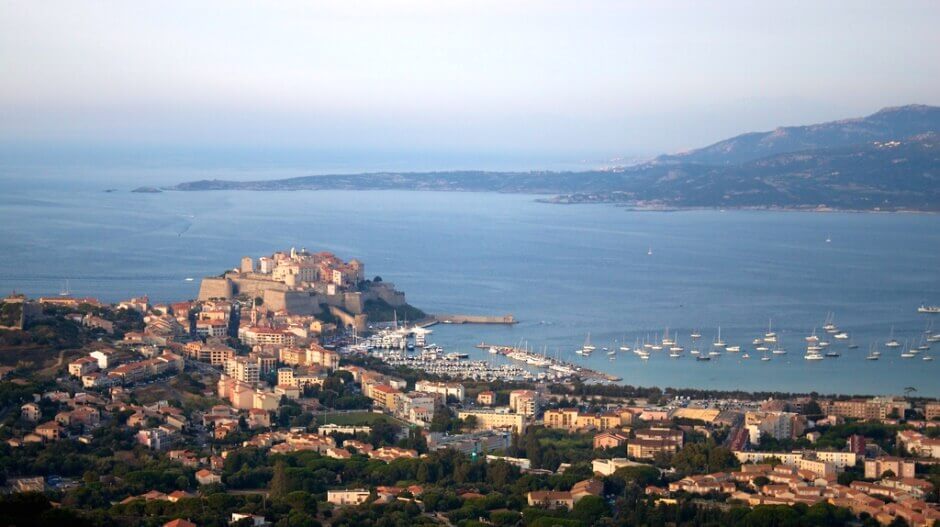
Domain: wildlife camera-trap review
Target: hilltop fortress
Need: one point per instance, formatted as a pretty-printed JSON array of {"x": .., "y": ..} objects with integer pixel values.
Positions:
[{"x": 303, "y": 283}]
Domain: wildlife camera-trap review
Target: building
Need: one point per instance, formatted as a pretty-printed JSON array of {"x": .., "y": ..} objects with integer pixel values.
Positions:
[
  {"x": 918, "y": 444},
  {"x": 105, "y": 358},
  {"x": 30, "y": 412},
  {"x": 932, "y": 411},
  {"x": 495, "y": 419},
  {"x": 207, "y": 477},
  {"x": 901, "y": 468},
  {"x": 243, "y": 369},
  {"x": 79, "y": 367},
  {"x": 875, "y": 409},
  {"x": 322, "y": 357},
  {"x": 777, "y": 425},
  {"x": 610, "y": 439},
  {"x": 486, "y": 398},
  {"x": 553, "y": 499},
  {"x": 344, "y": 497},
  {"x": 475, "y": 443},
  {"x": 444, "y": 389},
  {"x": 384, "y": 396},
  {"x": 525, "y": 402},
  {"x": 650, "y": 448},
  {"x": 255, "y": 335},
  {"x": 606, "y": 467},
  {"x": 665, "y": 434}
]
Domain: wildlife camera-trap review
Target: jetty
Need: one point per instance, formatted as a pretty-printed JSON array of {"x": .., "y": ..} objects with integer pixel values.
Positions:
[{"x": 471, "y": 319}]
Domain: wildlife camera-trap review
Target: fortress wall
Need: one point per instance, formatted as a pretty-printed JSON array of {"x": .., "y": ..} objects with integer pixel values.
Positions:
[
  {"x": 216, "y": 288},
  {"x": 356, "y": 321}
]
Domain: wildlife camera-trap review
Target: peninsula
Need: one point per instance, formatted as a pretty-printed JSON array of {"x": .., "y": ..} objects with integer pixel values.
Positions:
[{"x": 887, "y": 161}]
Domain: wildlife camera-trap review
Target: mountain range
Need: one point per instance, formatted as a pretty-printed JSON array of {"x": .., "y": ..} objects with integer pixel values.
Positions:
[{"x": 889, "y": 160}]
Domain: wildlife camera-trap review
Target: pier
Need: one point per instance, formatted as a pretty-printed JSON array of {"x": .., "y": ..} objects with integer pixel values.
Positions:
[
  {"x": 472, "y": 319},
  {"x": 530, "y": 357}
]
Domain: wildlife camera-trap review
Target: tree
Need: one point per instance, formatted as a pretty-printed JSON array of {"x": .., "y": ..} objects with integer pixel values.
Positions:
[
  {"x": 590, "y": 509},
  {"x": 280, "y": 481},
  {"x": 812, "y": 408}
]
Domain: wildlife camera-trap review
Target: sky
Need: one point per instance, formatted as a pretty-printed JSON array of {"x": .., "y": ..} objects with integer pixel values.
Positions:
[{"x": 470, "y": 81}]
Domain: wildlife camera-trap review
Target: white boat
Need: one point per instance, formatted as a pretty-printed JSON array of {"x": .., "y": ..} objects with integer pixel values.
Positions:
[
  {"x": 695, "y": 351},
  {"x": 823, "y": 344},
  {"x": 746, "y": 356},
  {"x": 587, "y": 348},
  {"x": 779, "y": 351},
  {"x": 813, "y": 356},
  {"x": 733, "y": 349},
  {"x": 624, "y": 347},
  {"x": 761, "y": 349},
  {"x": 718, "y": 342},
  {"x": 924, "y": 308},
  {"x": 830, "y": 326},
  {"x": 927, "y": 358},
  {"x": 189, "y": 279},
  {"x": 841, "y": 336},
  {"x": 675, "y": 354},
  {"x": 813, "y": 337},
  {"x": 757, "y": 342},
  {"x": 695, "y": 335},
  {"x": 649, "y": 252},
  {"x": 892, "y": 342},
  {"x": 765, "y": 358},
  {"x": 703, "y": 358},
  {"x": 770, "y": 336},
  {"x": 493, "y": 350},
  {"x": 666, "y": 340},
  {"x": 714, "y": 353}
]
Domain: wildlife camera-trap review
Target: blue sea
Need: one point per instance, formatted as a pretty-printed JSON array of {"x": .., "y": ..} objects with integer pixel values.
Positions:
[{"x": 564, "y": 271}]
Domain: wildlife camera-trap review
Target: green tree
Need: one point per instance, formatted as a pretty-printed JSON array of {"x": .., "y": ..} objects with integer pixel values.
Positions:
[{"x": 280, "y": 481}]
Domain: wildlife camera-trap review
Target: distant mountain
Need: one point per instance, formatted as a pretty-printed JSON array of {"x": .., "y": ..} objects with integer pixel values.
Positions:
[
  {"x": 884, "y": 125},
  {"x": 887, "y": 161}
]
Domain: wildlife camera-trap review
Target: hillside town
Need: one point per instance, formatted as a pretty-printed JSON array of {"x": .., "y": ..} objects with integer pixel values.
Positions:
[{"x": 271, "y": 400}]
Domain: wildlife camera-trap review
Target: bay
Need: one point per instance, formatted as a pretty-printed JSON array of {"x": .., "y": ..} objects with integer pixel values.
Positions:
[{"x": 563, "y": 271}]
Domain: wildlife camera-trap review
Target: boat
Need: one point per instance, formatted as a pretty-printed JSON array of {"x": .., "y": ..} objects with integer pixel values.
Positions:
[
  {"x": 761, "y": 349},
  {"x": 675, "y": 354},
  {"x": 852, "y": 345},
  {"x": 830, "y": 326},
  {"x": 666, "y": 340},
  {"x": 927, "y": 358},
  {"x": 813, "y": 356},
  {"x": 493, "y": 350},
  {"x": 933, "y": 310},
  {"x": 703, "y": 358},
  {"x": 892, "y": 342},
  {"x": 765, "y": 358},
  {"x": 934, "y": 338},
  {"x": 718, "y": 342},
  {"x": 833, "y": 354},
  {"x": 770, "y": 336},
  {"x": 779, "y": 351},
  {"x": 841, "y": 336},
  {"x": 733, "y": 349},
  {"x": 695, "y": 335},
  {"x": 695, "y": 351},
  {"x": 587, "y": 348},
  {"x": 624, "y": 347},
  {"x": 612, "y": 353},
  {"x": 757, "y": 341},
  {"x": 828, "y": 239},
  {"x": 714, "y": 353},
  {"x": 189, "y": 279},
  {"x": 746, "y": 356},
  {"x": 813, "y": 337},
  {"x": 649, "y": 252},
  {"x": 823, "y": 344}
]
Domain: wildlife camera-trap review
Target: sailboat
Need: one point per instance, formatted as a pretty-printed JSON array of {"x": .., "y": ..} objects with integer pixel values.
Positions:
[
  {"x": 892, "y": 342},
  {"x": 623, "y": 344},
  {"x": 718, "y": 342},
  {"x": 770, "y": 337},
  {"x": 872, "y": 354},
  {"x": 907, "y": 353},
  {"x": 828, "y": 239},
  {"x": 650, "y": 251},
  {"x": 779, "y": 351},
  {"x": 666, "y": 340},
  {"x": 830, "y": 326},
  {"x": 695, "y": 335},
  {"x": 733, "y": 349},
  {"x": 65, "y": 290},
  {"x": 587, "y": 348}
]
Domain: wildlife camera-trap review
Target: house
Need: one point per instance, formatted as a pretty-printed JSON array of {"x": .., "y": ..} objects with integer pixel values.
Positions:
[
  {"x": 610, "y": 439},
  {"x": 207, "y": 477},
  {"x": 486, "y": 398},
  {"x": 256, "y": 520},
  {"x": 551, "y": 499},
  {"x": 347, "y": 496},
  {"x": 30, "y": 412},
  {"x": 50, "y": 431}
]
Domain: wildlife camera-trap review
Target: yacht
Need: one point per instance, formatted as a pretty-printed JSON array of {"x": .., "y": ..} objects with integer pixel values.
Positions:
[
  {"x": 813, "y": 356},
  {"x": 695, "y": 335},
  {"x": 703, "y": 358},
  {"x": 493, "y": 350},
  {"x": 933, "y": 310},
  {"x": 746, "y": 356},
  {"x": 587, "y": 348},
  {"x": 830, "y": 326},
  {"x": 892, "y": 342},
  {"x": 695, "y": 351},
  {"x": 675, "y": 354},
  {"x": 666, "y": 340},
  {"x": 823, "y": 344},
  {"x": 770, "y": 336},
  {"x": 833, "y": 354},
  {"x": 733, "y": 349},
  {"x": 765, "y": 358},
  {"x": 624, "y": 347},
  {"x": 757, "y": 341},
  {"x": 762, "y": 349},
  {"x": 813, "y": 337},
  {"x": 650, "y": 251},
  {"x": 718, "y": 342},
  {"x": 841, "y": 336},
  {"x": 779, "y": 351},
  {"x": 714, "y": 353},
  {"x": 927, "y": 358},
  {"x": 852, "y": 345}
]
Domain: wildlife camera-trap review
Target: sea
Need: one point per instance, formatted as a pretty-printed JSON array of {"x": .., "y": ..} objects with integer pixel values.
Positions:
[{"x": 566, "y": 272}]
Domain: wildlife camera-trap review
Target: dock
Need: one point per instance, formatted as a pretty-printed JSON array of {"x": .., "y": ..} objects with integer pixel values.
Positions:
[
  {"x": 580, "y": 371},
  {"x": 471, "y": 319}
]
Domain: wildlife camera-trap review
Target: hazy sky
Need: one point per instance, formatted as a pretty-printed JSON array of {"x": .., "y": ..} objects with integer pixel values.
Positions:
[{"x": 569, "y": 78}]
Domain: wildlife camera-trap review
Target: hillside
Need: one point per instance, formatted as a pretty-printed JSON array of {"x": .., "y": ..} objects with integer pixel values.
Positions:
[{"x": 889, "y": 160}]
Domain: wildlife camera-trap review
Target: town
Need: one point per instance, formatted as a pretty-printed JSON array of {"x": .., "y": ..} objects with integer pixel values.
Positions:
[{"x": 295, "y": 391}]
